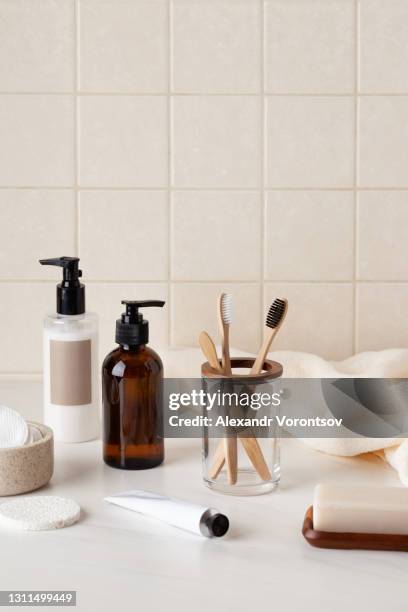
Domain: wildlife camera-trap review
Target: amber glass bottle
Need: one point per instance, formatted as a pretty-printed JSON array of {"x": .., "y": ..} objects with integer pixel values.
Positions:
[{"x": 132, "y": 380}]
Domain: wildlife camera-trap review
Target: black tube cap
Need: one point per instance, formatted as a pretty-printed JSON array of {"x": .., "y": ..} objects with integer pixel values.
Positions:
[
  {"x": 217, "y": 524},
  {"x": 70, "y": 292},
  {"x": 131, "y": 328}
]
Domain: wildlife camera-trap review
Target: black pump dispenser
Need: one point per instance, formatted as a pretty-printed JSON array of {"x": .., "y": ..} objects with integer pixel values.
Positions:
[
  {"x": 70, "y": 292},
  {"x": 131, "y": 328}
]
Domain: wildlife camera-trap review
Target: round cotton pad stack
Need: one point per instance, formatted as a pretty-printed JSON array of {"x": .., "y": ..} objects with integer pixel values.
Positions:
[
  {"x": 13, "y": 428},
  {"x": 39, "y": 513},
  {"x": 34, "y": 434}
]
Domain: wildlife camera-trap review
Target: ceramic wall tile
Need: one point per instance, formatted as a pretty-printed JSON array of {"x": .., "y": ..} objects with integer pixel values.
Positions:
[
  {"x": 123, "y": 141},
  {"x": 216, "y": 46},
  {"x": 216, "y": 142},
  {"x": 216, "y": 235},
  {"x": 123, "y": 234},
  {"x": 310, "y": 141},
  {"x": 310, "y": 235},
  {"x": 123, "y": 46},
  {"x": 310, "y": 46}
]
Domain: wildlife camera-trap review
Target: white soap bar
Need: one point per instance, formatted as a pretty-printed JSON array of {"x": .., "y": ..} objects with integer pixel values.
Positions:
[
  {"x": 13, "y": 428},
  {"x": 351, "y": 509},
  {"x": 38, "y": 513}
]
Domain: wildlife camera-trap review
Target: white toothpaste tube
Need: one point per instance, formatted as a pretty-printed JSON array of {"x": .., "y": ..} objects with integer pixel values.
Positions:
[{"x": 201, "y": 520}]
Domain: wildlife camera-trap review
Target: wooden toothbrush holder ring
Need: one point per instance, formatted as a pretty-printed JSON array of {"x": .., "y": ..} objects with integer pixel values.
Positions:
[{"x": 270, "y": 370}]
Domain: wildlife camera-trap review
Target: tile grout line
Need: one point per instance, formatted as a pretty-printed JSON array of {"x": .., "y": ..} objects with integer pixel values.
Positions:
[
  {"x": 169, "y": 169},
  {"x": 201, "y": 189},
  {"x": 163, "y": 94},
  {"x": 356, "y": 167},
  {"x": 278, "y": 281},
  {"x": 263, "y": 166},
  {"x": 76, "y": 126}
]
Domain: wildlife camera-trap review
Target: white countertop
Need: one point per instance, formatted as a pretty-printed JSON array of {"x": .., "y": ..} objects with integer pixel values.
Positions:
[{"x": 118, "y": 560}]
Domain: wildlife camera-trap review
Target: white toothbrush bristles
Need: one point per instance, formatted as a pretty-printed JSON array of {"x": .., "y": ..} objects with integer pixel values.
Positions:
[{"x": 226, "y": 308}]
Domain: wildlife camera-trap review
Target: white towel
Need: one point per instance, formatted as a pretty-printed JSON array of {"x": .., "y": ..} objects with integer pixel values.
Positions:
[{"x": 392, "y": 363}]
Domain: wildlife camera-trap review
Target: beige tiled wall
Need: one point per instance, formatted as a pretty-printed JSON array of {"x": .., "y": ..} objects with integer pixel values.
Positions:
[{"x": 184, "y": 147}]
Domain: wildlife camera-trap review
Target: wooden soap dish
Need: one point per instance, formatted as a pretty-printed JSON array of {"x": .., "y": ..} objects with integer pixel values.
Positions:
[{"x": 348, "y": 541}]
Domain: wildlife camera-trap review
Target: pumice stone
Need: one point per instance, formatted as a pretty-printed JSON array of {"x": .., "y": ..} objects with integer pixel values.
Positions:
[{"x": 39, "y": 513}]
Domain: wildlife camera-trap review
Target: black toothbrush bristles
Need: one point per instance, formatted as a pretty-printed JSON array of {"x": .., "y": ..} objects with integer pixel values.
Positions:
[{"x": 275, "y": 313}]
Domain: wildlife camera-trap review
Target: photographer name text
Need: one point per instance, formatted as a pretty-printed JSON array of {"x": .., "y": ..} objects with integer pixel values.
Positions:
[{"x": 227, "y": 421}]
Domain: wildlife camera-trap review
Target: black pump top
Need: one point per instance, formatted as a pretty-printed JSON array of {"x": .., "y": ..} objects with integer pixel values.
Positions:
[
  {"x": 70, "y": 292},
  {"x": 131, "y": 328}
]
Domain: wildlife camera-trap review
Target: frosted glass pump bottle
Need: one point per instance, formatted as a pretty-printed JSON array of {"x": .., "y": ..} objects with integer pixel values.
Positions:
[{"x": 71, "y": 406}]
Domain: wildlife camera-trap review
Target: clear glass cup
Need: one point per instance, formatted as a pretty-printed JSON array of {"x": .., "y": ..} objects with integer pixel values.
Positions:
[{"x": 253, "y": 467}]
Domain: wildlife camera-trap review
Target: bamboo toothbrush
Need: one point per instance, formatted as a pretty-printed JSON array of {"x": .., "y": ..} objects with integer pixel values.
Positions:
[
  {"x": 230, "y": 442},
  {"x": 274, "y": 319},
  {"x": 210, "y": 352},
  {"x": 224, "y": 319},
  {"x": 208, "y": 347}
]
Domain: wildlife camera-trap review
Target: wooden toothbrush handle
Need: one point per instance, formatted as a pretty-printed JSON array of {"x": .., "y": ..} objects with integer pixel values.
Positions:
[
  {"x": 230, "y": 443},
  {"x": 263, "y": 351},
  {"x": 208, "y": 347},
  {"x": 231, "y": 457},
  {"x": 218, "y": 461},
  {"x": 254, "y": 452},
  {"x": 252, "y": 449},
  {"x": 226, "y": 359}
]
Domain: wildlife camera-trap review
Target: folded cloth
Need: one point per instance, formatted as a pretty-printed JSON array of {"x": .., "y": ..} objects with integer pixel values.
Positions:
[
  {"x": 397, "y": 457},
  {"x": 391, "y": 363}
]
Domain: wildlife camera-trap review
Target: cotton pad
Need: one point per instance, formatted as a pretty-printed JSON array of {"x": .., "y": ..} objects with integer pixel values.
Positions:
[
  {"x": 34, "y": 434},
  {"x": 13, "y": 428},
  {"x": 39, "y": 513}
]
